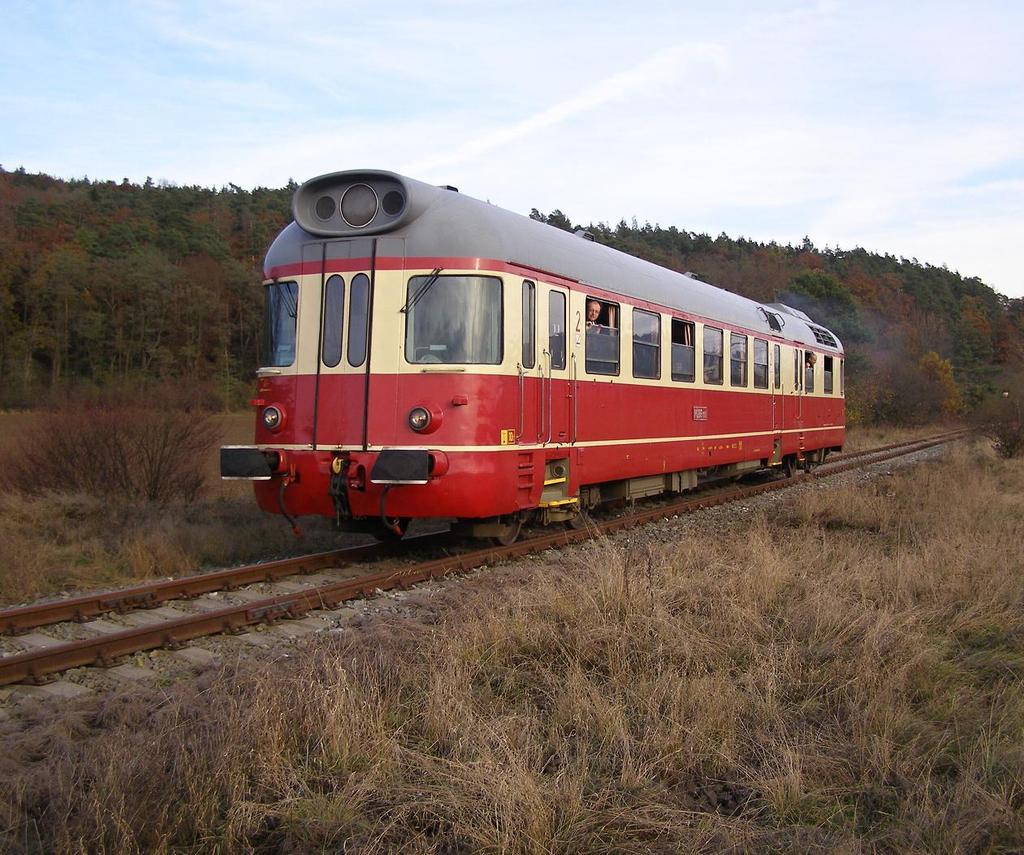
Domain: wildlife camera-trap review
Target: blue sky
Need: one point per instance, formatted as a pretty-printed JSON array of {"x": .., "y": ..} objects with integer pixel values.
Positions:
[{"x": 899, "y": 128}]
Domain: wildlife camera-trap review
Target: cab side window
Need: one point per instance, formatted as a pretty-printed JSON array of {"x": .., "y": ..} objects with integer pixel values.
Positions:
[
  {"x": 556, "y": 328},
  {"x": 529, "y": 323}
]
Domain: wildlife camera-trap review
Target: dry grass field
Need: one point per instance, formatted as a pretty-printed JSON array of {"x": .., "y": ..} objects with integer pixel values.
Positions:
[
  {"x": 863, "y": 438},
  {"x": 843, "y": 675},
  {"x": 61, "y": 541}
]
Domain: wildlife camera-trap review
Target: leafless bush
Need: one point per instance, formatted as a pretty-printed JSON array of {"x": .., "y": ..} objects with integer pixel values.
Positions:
[
  {"x": 1002, "y": 421},
  {"x": 114, "y": 448}
]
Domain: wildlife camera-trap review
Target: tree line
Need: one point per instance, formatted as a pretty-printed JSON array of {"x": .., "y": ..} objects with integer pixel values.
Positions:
[
  {"x": 921, "y": 341},
  {"x": 119, "y": 285}
]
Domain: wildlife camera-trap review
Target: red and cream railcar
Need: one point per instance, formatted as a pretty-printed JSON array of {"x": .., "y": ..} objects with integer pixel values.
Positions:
[{"x": 430, "y": 355}]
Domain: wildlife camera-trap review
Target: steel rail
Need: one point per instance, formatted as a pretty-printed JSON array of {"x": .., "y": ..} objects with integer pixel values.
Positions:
[
  {"x": 948, "y": 435},
  {"x": 86, "y": 606},
  {"x": 37, "y": 665}
]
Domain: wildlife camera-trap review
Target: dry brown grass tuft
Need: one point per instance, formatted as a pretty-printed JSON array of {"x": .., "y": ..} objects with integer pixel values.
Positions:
[
  {"x": 61, "y": 540},
  {"x": 845, "y": 674},
  {"x": 57, "y": 542},
  {"x": 861, "y": 438}
]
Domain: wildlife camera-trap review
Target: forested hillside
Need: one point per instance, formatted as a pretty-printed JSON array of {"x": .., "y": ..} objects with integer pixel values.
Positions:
[{"x": 105, "y": 284}]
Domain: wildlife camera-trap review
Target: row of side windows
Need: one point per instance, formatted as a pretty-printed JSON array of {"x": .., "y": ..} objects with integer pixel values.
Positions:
[
  {"x": 602, "y": 352},
  {"x": 602, "y": 341}
]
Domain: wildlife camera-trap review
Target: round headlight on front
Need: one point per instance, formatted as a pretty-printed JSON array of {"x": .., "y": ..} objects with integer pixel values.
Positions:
[
  {"x": 419, "y": 418},
  {"x": 271, "y": 418}
]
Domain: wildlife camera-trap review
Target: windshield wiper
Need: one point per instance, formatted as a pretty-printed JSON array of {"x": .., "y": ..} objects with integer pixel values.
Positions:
[
  {"x": 435, "y": 274},
  {"x": 291, "y": 304}
]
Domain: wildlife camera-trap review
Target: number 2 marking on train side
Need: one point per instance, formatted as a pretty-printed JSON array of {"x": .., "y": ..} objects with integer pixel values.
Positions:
[{"x": 577, "y": 320}]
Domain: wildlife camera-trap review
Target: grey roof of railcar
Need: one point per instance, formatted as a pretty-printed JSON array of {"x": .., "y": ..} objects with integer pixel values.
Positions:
[{"x": 443, "y": 223}]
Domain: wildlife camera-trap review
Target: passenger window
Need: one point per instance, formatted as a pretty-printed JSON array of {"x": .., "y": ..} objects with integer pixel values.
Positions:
[
  {"x": 737, "y": 359},
  {"x": 842, "y": 377},
  {"x": 760, "y": 364},
  {"x": 602, "y": 351},
  {"x": 809, "y": 360},
  {"x": 357, "y": 320},
  {"x": 712, "y": 355},
  {"x": 529, "y": 323},
  {"x": 827, "y": 388},
  {"x": 797, "y": 369},
  {"x": 682, "y": 351},
  {"x": 556, "y": 328},
  {"x": 646, "y": 344},
  {"x": 334, "y": 320},
  {"x": 778, "y": 366}
]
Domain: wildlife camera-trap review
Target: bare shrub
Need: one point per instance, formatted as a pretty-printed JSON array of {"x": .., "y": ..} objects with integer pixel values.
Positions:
[
  {"x": 1001, "y": 420},
  {"x": 114, "y": 448}
]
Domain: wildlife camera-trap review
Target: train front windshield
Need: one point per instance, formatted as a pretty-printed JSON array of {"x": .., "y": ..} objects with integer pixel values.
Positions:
[
  {"x": 454, "y": 319},
  {"x": 279, "y": 320}
]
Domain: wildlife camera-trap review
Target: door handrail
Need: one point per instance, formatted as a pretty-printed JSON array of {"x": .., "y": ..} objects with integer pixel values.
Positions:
[
  {"x": 522, "y": 401},
  {"x": 549, "y": 407},
  {"x": 574, "y": 394}
]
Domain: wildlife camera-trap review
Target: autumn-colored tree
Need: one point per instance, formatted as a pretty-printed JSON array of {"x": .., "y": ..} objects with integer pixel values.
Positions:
[
  {"x": 937, "y": 374},
  {"x": 110, "y": 283}
]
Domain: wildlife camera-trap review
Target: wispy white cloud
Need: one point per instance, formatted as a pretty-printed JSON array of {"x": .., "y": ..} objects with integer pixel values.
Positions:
[
  {"x": 663, "y": 65},
  {"x": 862, "y": 123}
]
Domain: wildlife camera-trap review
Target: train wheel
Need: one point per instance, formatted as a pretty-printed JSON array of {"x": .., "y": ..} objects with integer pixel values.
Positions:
[
  {"x": 789, "y": 465},
  {"x": 510, "y": 534}
]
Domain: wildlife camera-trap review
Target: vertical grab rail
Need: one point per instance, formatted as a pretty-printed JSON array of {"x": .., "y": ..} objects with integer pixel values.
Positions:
[
  {"x": 522, "y": 402},
  {"x": 543, "y": 408},
  {"x": 574, "y": 394},
  {"x": 547, "y": 438},
  {"x": 801, "y": 371}
]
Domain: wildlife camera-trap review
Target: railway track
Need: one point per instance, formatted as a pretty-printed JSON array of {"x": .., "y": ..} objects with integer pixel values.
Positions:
[{"x": 108, "y": 647}]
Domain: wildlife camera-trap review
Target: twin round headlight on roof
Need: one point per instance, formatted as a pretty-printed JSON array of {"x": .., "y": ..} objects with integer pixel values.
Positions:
[{"x": 360, "y": 204}]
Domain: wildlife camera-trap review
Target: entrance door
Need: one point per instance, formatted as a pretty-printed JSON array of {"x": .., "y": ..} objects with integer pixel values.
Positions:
[
  {"x": 343, "y": 353},
  {"x": 776, "y": 366},
  {"x": 557, "y": 396},
  {"x": 778, "y": 403}
]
